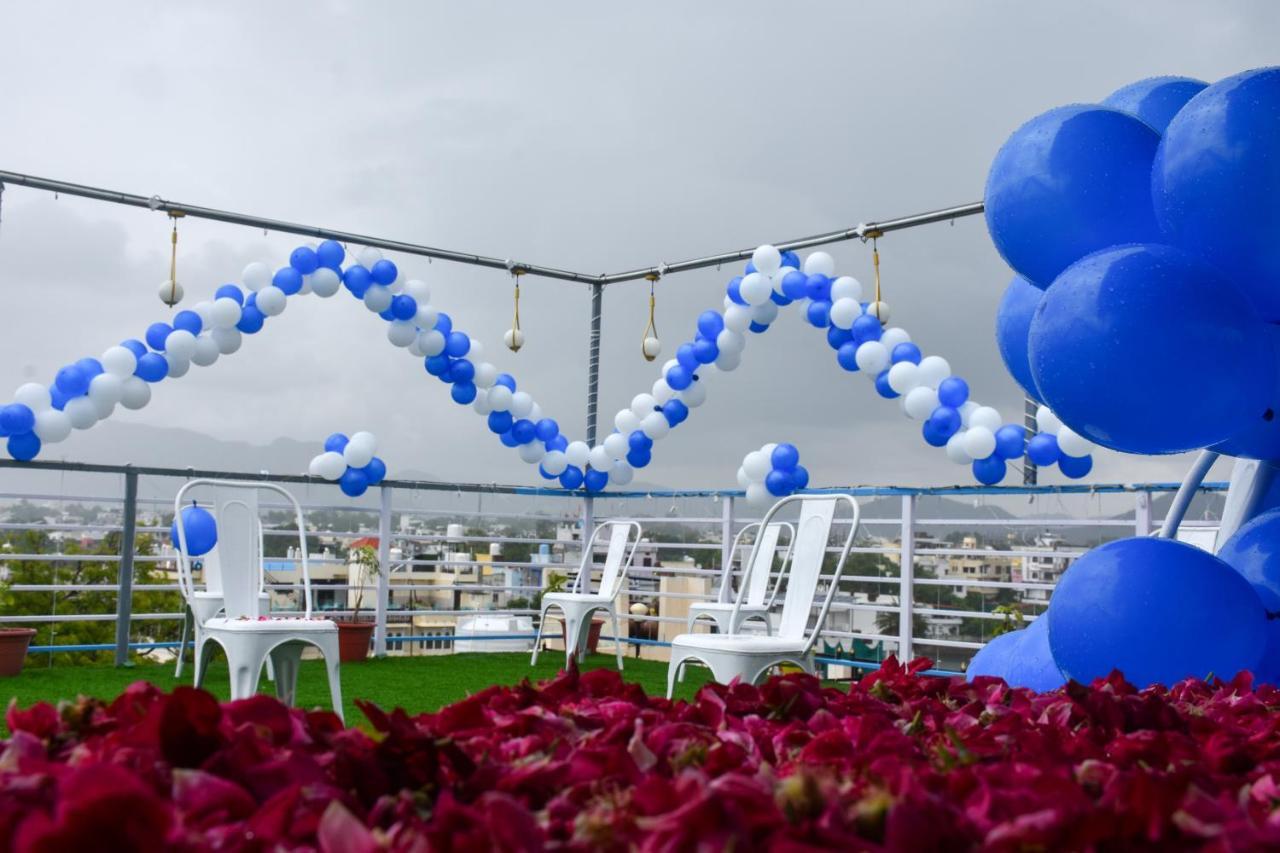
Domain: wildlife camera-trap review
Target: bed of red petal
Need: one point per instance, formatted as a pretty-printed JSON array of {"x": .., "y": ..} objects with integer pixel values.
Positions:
[{"x": 899, "y": 761}]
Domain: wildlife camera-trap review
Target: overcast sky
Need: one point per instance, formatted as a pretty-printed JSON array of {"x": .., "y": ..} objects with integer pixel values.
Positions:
[{"x": 592, "y": 136}]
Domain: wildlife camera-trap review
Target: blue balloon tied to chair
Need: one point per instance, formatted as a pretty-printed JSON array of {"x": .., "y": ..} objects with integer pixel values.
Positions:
[{"x": 199, "y": 530}]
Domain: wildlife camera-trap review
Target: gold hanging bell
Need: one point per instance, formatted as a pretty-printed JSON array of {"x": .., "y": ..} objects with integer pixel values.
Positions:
[
  {"x": 170, "y": 291},
  {"x": 514, "y": 337},
  {"x": 650, "y": 346}
]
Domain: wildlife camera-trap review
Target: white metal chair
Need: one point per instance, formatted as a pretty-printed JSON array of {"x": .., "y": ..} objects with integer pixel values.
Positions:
[
  {"x": 577, "y": 605},
  {"x": 247, "y": 638},
  {"x": 748, "y": 657},
  {"x": 755, "y": 576}
]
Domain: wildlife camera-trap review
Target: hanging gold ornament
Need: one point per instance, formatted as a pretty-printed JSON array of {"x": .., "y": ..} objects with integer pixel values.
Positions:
[
  {"x": 879, "y": 308},
  {"x": 650, "y": 346},
  {"x": 170, "y": 291},
  {"x": 514, "y": 338}
]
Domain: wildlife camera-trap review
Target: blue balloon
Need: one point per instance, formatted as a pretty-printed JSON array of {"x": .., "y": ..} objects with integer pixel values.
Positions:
[
  {"x": 1215, "y": 182},
  {"x": 1254, "y": 552},
  {"x": 462, "y": 370},
  {"x": 500, "y": 422},
  {"x": 24, "y": 446},
  {"x": 1157, "y": 610},
  {"x": 710, "y": 324},
  {"x": 791, "y": 259},
  {"x": 384, "y": 272},
  {"x": 251, "y": 299},
  {"x": 72, "y": 381},
  {"x": 800, "y": 477},
  {"x": 546, "y": 429},
  {"x": 58, "y": 399},
  {"x": 1155, "y": 100},
  {"x": 1043, "y": 450},
  {"x": 989, "y": 471},
  {"x": 838, "y": 337},
  {"x": 331, "y": 254},
  {"x": 795, "y": 285},
  {"x": 1031, "y": 662},
  {"x": 304, "y": 259},
  {"x": 571, "y": 478},
  {"x": 547, "y": 475},
  {"x": 1143, "y": 349},
  {"x": 905, "y": 351},
  {"x": 785, "y": 457},
  {"x": 523, "y": 431},
  {"x": 152, "y": 367},
  {"x": 1069, "y": 182},
  {"x": 687, "y": 358},
  {"x": 1075, "y": 467},
  {"x": 993, "y": 658},
  {"x": 639, "y": 441},
  {"x": 1013, "y": 324},
  {"x": 705, "y": 351},
  {"x": 818, "y": 313},
  {"x": 437, "y": 365},
  {"x": 779, "y": 299},
  {"x": 847, "y": 356},
  {"x": 779, "y": 483},
  {"x": 387, "y": 315},
  {"x": 945, "y": 420},
  {"x": 679, "y": 378},
  {"x": 357, "y": 280},
  {"x": 188, "y": 320},
  {"x": 335, "y": 443},
  {"x": 137, "y": 347},
  {"x": 557, "y": 443},
  {"x": 507, "y": 381},
  {"x": 932, "y": 435},
  {"x": 156, "y": 335},
  {"x": 675, "y": 411},
  {"x": 288, "y": 280},
  {"x": 757, "y": 328},
  {"x": 866, "y": 328},
  {"x": 750, "y": 267},
  {"x": 882, "y": 385},
  {"x": 444, "y": 325},
  {"x": 595, "y": 481},
  {"x": 230, "y": 291},
  {"x": 375, "y": 472},
  {"x": 818, "y": 287},
  {"x": 508, "y": 439},
  {"x": 16, "y": 418},
  {"x": 733, "y": 291},
  {"x": 251, "y": 319},
  {"x": 1260, "y": 440},
  {"x": 463, "y": 393},
  {"x": 199, "y": 531},
  {"x": 1011, "y": 441},
  {"x": 953, "y": 391},
  {"x": 403, "y": 307},
  {"x": 638, "y": 458},
  {"x": 353, "y": 482}
]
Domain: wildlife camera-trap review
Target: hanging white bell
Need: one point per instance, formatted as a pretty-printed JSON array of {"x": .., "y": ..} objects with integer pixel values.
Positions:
[
  {"x": 514, "y": 339},
  {"x": 879, "y": 310},
  {"x": 651, "y": 348},
  {"x": 170, "y": 293}
]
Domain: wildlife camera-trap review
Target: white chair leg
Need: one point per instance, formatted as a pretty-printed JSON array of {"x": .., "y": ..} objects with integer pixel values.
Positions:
[
  {"x": 575, "y": 638},
  {"x": 182, "y": 640},
  {"x": 200, "y": 658},
  {"x": 286, "y": 657},
  {"x": 617, "y": 638},
  {"x": 724, "y": 623},
  {"x": 335, "y": 685},
  {"x": 675, "y": 670},
  {"x": 537, "y": 642},
  {"x": 245, "y": 663}
]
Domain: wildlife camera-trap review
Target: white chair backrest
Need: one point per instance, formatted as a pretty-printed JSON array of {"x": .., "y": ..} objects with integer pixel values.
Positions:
[
  {"x": 617, "y": 559},
  {"x": 762, "y": 557}
]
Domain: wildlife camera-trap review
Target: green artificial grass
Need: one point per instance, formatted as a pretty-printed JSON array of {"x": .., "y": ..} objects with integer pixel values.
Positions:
[{"x": 416, "y": 684}]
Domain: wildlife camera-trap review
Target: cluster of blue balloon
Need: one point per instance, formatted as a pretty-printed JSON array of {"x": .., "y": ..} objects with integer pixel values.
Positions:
[
  {"x": 350, "y": 462},
  {"x": 1143, "y": 231},
  {"x": 199, "y": 531},
  {"x": 772, "y": 471}
]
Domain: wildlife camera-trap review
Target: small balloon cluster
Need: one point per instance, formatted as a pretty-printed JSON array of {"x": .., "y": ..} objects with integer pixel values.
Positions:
[
  {"x": 350, "y": 462},
  {"x": 772, "y": 471}
]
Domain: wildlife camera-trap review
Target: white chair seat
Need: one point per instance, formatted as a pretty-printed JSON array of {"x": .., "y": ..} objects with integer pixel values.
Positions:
[
  {"x": 576, "y": 598},
  {"x": 727, "y": 607},
  {"x": 274, "y": 623},
  {"x": 745, "y": 644}
]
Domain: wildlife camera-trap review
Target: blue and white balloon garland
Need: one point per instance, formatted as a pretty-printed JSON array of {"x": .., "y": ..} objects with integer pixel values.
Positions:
[
  {"x": 350, "y": 462},
  {"x": 774, "y": 471}
]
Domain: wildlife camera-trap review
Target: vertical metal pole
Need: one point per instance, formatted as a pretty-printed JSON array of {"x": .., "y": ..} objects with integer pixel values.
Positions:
[
  {"x": 906, "y": 582},
  {"x": 124, "y": 598},
  {"x": 726, "y": 532},
  {"x": 593, "y": 361},
  {"x": 1142, "y": 514},
  {"x": 384, "y": 572},
  {"x": 1029, "y": 421}
]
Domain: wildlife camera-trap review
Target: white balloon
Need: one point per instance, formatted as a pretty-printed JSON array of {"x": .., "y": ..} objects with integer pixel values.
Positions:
[
  {"x": 966, "y": 412},
  {"x": 920, "y": 402},
  {"x": 360, "y": 449},
  {"x": 767, "y": 259},
  {"x": 431, "y": 342},
  {"x": 105, "y": 391},
  {"x": 651, "y": 348},
  {"x": 427, "y": 316},
  {"x": 368, "y": 256},
  {"x": 765, "y": 313},
  {"x": 621, "y": 474},
  {"x": 955, "y": 449},
  {"x": 225, "y": 313},
  {"x": 521, "y": 404},
  {"x": 118, "y": 361},
  {"x": 1072, "y": 443},
  {"x": 755, "y": 289},
  {"x": 500, "y": 398},
  {"x": 532, "y": 452},
  {"x": 178, "y": 367},
  {"x": 879, "y": 310},
  {"x": 306, "y": 284},
  {"x": 662, "y": 392},
  {"x": 481, "y": 404},
  {"x": 768, "y": 449},
  {"x": 81, "y": 412},
  {"x": 600, "y": 458},
  {"x": 894, "y": 336},
  {"x": 325, "y": 282},
  {"x": 555, "y": 462},
  {"x": 743, "y": 479},
  {"x": 577, "y": 453},
  {"x": 36, "y": 397},
  {"x": 52, "y": 426},
  {"x": 205, "y": 310},
  {"x": 134, "y": 393},
  {"x": 206, "y": 352},
  {"x": 655, "y": 425},
  {"x": 695, "y": 395},
  {"x": 730, "y": 341},
  {"x": 486, "y": 374},
  {"x": 728, "y": 361},
  {"x": 180, "y": 345},
  {"x": 329, "y": 465},
  {"x": 819, "y": 263},
  {"x": 513, "y": 339},
  {"x": 256, "y": 275},
  {"x": 872, "y": 357},
  {"x": 642, "y": 405},
  {"x": 979, "y": 442},
  {"x": 847, "y": 287},
  {"x": 1047, "y": 421},
  {"x": 757, "y": 494},
  {"x": 985, "y": 416},
  {"x": 904, "y": 376},
  {"x": 757, "y": 464},
  {"x": 228, "y": 340},
  {"x": 616, "y": 446},
  {"x": 402, "y": 333},
  {"x": 377, "y": 298},
  {"x": 737, "y": 318},
  {"x": 414, "y": 349},
  {"x": 272, "y": 300},
  {"x": 418, "y": 290},
  {"x": 535, "y": 414},
  {"x": 626, "y": 421},
  {"x": 170, "y": 293},
  {"x": 933, "y": 369},
  {"x": 844, "y": 311},
  {"x": 671, "y": 362}
]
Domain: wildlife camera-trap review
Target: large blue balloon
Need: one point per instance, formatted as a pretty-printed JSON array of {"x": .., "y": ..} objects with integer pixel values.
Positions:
[
  {"x": 1157, "y": 610},
  {"x": 16, "y": 419},
  {"x": 1155, "y": 100},
  {"x": 1254, "y": 552},
  {"x": 1013, "y": 322},
  {"x": 993, "y": 658},
  {"x": 1069, "y": 182},
  {"x": 1144, "y": 349},
  {"x": 1030, "y": 662},
  {"x": 24, "y": 446},
  {"x": 199, "y": 530},
  {"x": 354, "y": 482},
  {"x": 335, "y": 443},
  {"x": 1216, "y": 182},
  {"x": 1261, "y": 439}
]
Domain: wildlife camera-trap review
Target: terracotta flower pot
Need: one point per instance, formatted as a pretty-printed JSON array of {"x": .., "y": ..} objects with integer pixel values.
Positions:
[
  {"x": 353, "y": 641},
  {"x": 13, "y": 649},
  {"x": 593, "y": 635}
]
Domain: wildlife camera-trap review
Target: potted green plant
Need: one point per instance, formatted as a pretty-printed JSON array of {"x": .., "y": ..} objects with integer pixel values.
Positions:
[
  {"x": 354, "y": 635},
  {"x": 555, "y": 583}
]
